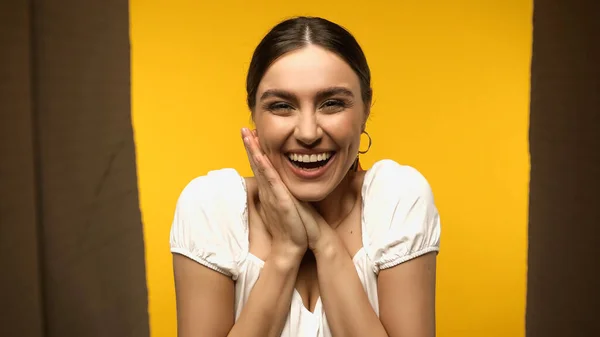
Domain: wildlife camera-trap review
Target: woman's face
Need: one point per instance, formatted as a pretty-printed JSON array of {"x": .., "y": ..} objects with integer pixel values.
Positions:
[{"x": 309, "y": 116}]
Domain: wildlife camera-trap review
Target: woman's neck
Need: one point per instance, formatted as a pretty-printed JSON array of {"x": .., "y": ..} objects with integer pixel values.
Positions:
[{"x": 340, "y": 202}]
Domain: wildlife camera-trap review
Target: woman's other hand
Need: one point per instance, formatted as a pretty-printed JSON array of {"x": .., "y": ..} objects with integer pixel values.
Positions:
[
  {"x": 318, "y": 232},
  {"x": 278, "y": 207}
]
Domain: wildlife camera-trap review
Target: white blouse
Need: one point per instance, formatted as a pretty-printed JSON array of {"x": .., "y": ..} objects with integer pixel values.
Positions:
[{"x": 399, "y": 222}]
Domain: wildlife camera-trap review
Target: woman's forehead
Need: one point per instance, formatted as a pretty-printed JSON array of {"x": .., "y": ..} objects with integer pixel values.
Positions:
[{"x": 309, "y": 69}]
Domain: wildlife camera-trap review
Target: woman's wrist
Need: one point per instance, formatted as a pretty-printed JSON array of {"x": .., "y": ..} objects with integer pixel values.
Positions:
[
  {"x": 286, "y": 256},
  {"x": 328, "y": 245}
]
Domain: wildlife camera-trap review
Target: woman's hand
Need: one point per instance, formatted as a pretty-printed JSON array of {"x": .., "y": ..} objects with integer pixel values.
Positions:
[
  {"x": 318, "y": 232},
  {"x": 278, "y": 207}
]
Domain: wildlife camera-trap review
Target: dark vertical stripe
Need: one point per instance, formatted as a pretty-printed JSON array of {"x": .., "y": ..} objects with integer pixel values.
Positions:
[
  {"x": 92, "y": 238},
  {"x": 37, "y": 165},
  {"x": 563, "y": 258},
  {"x": 21, "y": 304}
]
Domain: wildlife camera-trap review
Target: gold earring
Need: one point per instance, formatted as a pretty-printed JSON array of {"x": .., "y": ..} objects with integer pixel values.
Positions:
[
  {"x": 355, "y": 165},
  {"x": 369, "y": 146}
]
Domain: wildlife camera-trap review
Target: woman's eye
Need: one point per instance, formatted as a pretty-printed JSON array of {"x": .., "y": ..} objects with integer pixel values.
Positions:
[
  {"x": 333, "y": 105},
  {"x": 280, "y": 107}
]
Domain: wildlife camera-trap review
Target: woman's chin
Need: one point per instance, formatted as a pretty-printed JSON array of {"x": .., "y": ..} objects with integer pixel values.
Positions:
[{"x": 309, "y": 193}]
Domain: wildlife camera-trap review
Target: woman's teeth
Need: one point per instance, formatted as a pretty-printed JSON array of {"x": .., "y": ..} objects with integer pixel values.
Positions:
[{"x": 309, "y": 158}]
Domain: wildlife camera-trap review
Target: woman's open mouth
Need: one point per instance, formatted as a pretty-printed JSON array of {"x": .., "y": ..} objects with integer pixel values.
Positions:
[
  {"x": 310, "y": 166},
  {"x": 310, "y": 161}
]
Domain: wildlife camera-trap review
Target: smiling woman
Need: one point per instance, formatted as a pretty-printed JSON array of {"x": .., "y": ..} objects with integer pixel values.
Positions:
[{"x": 311, "y": 245}]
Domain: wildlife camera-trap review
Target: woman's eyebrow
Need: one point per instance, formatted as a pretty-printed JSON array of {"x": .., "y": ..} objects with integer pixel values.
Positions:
[
  {"x": 279, "y": 93},
  {"x": 333, "y": 91},
  {"x": 321, "y": 94}
]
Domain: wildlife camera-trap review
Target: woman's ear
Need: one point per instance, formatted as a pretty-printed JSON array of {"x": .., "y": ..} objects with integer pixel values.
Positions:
[
  {"x": 364, "y": 123},
  {"x": 368, "y": 105},
  {"x": 366, "y": 117}
]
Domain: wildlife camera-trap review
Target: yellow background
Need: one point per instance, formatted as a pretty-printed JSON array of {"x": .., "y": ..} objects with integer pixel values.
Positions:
[{"x": 451, "y": 86}]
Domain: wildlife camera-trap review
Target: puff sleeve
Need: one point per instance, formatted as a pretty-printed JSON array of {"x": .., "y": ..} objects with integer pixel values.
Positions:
[
  {"x": 207, "y": 225},
  {"x": 399, "y": 215}
]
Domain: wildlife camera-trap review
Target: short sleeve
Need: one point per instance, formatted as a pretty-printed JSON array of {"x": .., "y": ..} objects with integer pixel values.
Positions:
[
  {"x": 399, "y": 215},
  {"x": 208, "y": 226}
]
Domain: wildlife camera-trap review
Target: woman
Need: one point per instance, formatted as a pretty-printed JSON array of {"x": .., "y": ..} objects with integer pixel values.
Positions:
[{"x": 311, "y": 245}]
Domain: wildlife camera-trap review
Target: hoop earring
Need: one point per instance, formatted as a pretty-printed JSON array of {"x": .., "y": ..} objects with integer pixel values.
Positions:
[
  {"x": 368, "y": 147},
  {"x": 356, "y": 164}
]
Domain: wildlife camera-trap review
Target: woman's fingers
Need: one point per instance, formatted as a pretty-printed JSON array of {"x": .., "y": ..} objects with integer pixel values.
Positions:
[
  {"x": 256, "y": 159},
  {"x": 273, "y": 180},
  {"x": 251, "y": 159},
  {"x": 267, "y": 172},
  {"x": 252, "y": 146},
  {"x": 264, "y": 171}
]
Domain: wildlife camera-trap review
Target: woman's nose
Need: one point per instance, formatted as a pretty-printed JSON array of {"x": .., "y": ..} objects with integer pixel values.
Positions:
[{"x": 308, "y": 130}]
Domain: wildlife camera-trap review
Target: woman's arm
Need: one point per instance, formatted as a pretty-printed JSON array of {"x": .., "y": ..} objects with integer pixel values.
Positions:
[
  {"x": 205, "y": 298},
  {"x": 349, "y": 312},
  {"x": 268, "y": 306},
  {"x": 406, "y": 296}
]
